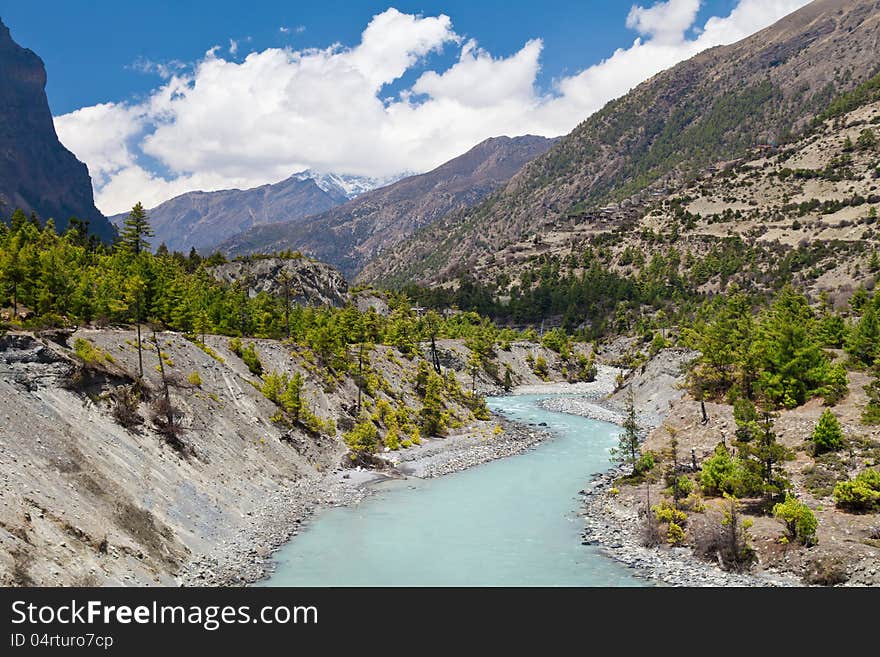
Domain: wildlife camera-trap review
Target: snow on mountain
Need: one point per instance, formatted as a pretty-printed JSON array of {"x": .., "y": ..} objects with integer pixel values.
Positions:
[{"x": 348, "y": 186}]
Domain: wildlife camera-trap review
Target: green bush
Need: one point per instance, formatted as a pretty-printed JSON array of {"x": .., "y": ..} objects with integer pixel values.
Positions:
[
  {"x": 719, "y": 472},
  {"x": 859, "y": 494},
  {"x": 252, "y": 360},
  {"x": 827, "y": 436},
  {"x": 800, "y": 522},
  {"x": 645, "y": 463},
  {"x": 89, "y": 353},
  {"x": 540, "y": 368},
  {"x": 363, "y": 438},
  {"x": 194, "y": 379}
]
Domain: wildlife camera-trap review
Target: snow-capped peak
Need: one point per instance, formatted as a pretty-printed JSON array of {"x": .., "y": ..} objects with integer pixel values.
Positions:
[{"x": 347, "y": 186}]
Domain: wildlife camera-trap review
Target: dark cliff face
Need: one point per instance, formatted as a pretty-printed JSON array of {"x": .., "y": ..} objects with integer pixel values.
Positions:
[{"x": 37, "y": 173}]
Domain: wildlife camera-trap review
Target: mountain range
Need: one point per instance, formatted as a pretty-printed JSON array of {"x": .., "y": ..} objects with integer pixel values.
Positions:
[
  {"x": 370, "y": 225},
  {"x": 37, "y": 173},
  {"x": 200, "y": 220}
]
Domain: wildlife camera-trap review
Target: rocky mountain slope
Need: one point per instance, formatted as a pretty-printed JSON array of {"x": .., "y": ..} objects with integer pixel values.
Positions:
[
  {"x": 373, "y": 223},
  {"x": 200, "y": 220},
  {"x": 37, "y": 174},
  {"x": 713, "y": 107},
  {"x": 804, "y": 213},
  {"x": 93, "y": 493},
  {"x": 308, "y": 281}
]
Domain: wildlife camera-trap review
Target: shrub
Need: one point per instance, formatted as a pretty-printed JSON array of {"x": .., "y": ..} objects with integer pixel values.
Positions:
[
  {"x": 719, "y": 473},
  {"x": 645, "y": 463},
  {"x": 665, "y": 512},
  {"x": 252, "y": 360},
  {"x": 392, "y": 441},
  {"x": 125, "y": 404},
  {"x": 363, "y": 438},
  {"x": 827, "y": 436},
  {"x": 194, "y": 379},
  {"x": 674, "y": 534},
  {"x": 859, "y": 494},
  {"x": 825, "y": 571},
  {"x": 725, "y": 539},
  {"x": 800, "y": 522},
  {"x": 540, "y": 368},
  {"x": 89, "y": 353}
]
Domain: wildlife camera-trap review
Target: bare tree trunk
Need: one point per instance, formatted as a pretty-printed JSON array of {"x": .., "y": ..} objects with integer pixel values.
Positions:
[
  {"x": 140, "y": 352},
  {"x": 169, "y": 412}
]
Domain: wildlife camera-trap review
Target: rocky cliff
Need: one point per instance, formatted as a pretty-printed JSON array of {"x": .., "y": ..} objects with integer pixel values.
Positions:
[
  {"x": 310, "y": 282},
  {"x": 37, "y": 173}
]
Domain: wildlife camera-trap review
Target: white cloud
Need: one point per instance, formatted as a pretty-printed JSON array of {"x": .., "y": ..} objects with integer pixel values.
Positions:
[
  {"x": 233, "y": 46},
  {"x": 665, "y": 22},
  {"x": 226, "y": 124}
]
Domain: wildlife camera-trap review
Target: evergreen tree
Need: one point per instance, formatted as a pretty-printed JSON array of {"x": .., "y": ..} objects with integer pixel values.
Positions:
[
  {"x": 827, "y": 436},
  {"x": 135, "y": 231},
  {"x": 627, "y": 450}
]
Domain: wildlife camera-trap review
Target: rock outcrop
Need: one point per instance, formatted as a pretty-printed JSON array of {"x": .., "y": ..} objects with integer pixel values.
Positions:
[
  {"x": 310, "y": 282},
  {"x": 37, "y": 173}
]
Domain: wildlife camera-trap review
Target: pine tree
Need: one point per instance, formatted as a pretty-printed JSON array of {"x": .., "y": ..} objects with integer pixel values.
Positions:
[
  {"x": 627, "y": 450},
  {"x": 136, "y": 230},
  {"x": 827, "y": 436}
]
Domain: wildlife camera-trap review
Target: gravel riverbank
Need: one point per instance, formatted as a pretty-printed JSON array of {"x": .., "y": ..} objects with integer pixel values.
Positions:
[{"x": 614, "y": 528}]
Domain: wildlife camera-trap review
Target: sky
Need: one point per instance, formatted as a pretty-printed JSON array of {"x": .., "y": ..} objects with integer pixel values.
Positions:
[{"x": 166, "y": 97}]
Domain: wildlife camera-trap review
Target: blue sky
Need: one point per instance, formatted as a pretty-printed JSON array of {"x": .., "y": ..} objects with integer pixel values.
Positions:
[
  {"x": 91, "y": 48},
  {"x": 165, "y": 97}
]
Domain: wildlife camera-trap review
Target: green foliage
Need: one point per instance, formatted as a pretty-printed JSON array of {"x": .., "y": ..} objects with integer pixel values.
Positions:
[
  {"x": 194, "y": 379},
  {"x": 745, "y": 415},
  {"x": 363, "y": 438},
  {"x": 431, "y": 417},
  {"x": 645, "y": 463},
  {"x": 800, "y": 521},
  {"x": 776, "y": 356},
  {"x": 135, "y": 231},
  {"x": 827, "y": 436},
  {"x": 557, "y": 340},
  {"x": 864, "y": 339},
  {"x": 540, "y": 368},
  {"x": 89, "y": 353},
  {"x": 720, "y": 473},
  {"x": 863, "y": 94},
  {"x": 627, "y": 450},
  {"x": 252, "y": 360},
  {"x": 861, "y": 494}
]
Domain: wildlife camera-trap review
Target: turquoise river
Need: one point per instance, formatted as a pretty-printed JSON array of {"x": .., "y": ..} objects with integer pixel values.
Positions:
[{"x": 510, "y": 522}]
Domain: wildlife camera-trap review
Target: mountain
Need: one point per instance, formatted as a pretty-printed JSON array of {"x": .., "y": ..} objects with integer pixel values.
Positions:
[
  {"x": 37, "y": 174},
  {"x": 713, "y": 107},
  {"x": 201, "y": 220},
  {"x": 350, "y": 235},
  {"x": 348, "y": 186}
]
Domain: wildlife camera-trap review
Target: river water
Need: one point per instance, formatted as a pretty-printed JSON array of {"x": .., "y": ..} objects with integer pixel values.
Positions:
[{"x": 510, "y": 522}]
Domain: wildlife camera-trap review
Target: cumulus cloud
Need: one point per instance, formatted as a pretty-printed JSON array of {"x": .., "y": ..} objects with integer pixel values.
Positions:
[
  {"x": 665, "y": 22},
  {"x": 221, "y": 124}
]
